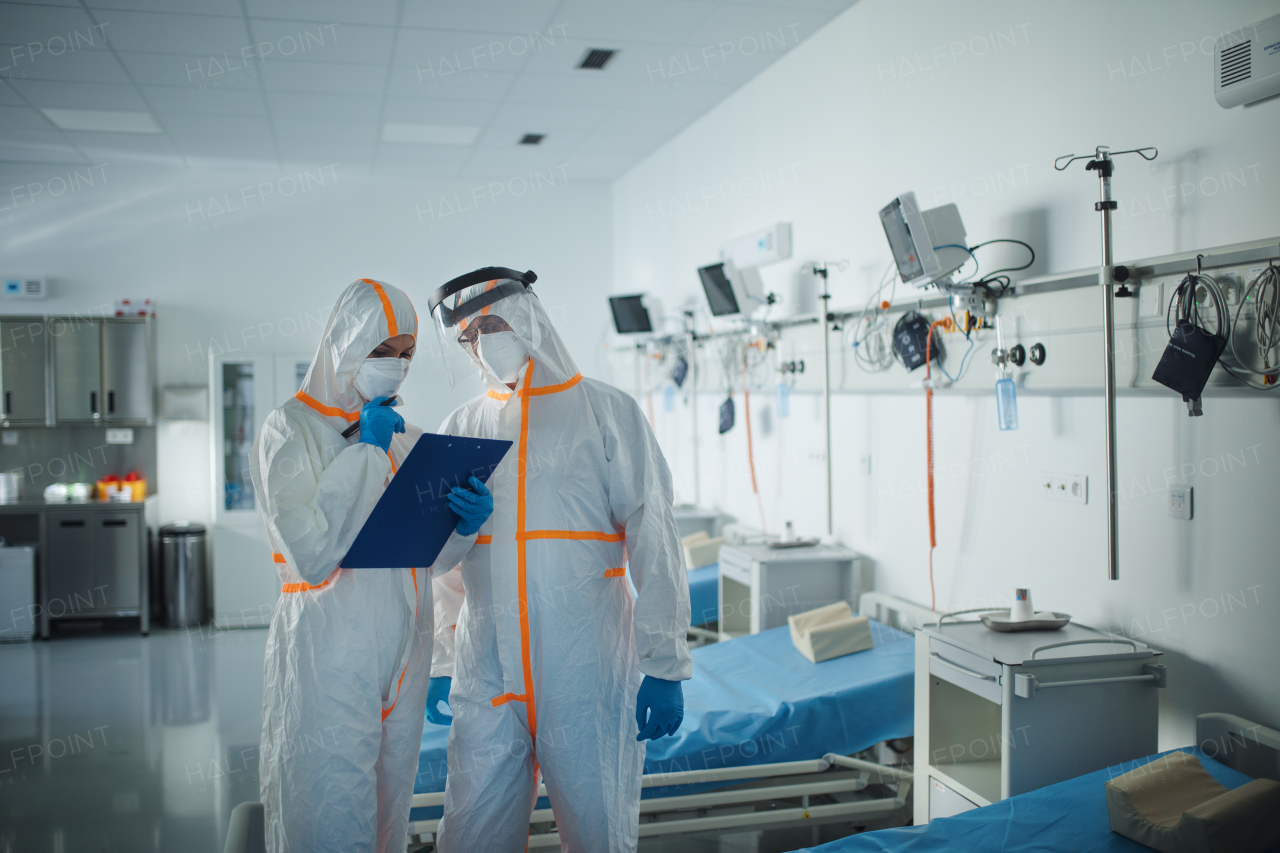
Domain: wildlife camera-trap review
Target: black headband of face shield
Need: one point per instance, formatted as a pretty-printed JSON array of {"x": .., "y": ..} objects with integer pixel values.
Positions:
[{"x": 515, "y": 282}]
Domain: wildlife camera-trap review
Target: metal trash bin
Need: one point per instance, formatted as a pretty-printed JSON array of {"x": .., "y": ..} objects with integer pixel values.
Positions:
[{"x": 183, "y": 574}]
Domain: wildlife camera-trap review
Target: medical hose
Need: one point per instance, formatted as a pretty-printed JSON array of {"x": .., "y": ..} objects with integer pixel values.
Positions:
[
  {"x": 751, "y": 456},
  {"x": 945, "y": 322}
]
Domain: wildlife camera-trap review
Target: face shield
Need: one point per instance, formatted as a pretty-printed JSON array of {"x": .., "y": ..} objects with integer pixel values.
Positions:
[{"x": 483, "y": 320}]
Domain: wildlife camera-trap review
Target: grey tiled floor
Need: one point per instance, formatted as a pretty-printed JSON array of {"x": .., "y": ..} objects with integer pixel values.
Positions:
[{"x": 117, "y": 742}]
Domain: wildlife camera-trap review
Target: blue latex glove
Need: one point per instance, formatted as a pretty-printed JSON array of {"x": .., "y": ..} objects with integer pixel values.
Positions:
[
  {"x": 378, "y": 423},
  {"x": 474, "y": 507},
  {"x": 437, "y": 692},
  {"x": 662, "y": 702}
]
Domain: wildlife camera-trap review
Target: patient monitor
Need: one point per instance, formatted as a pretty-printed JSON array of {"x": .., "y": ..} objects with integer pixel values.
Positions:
[
  {"x": 730, "y": 290},
  {"x": 928, "y": 245}
]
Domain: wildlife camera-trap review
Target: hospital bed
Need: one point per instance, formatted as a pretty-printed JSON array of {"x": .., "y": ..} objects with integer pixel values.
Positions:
[
  {"x": 766, "y": 740},
  {"x": 1072, "y": 815}
]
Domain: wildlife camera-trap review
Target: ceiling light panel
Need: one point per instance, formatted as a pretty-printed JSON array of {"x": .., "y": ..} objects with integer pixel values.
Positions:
[
  {"x": 429, "y": 134},
  {"x": 103, "y": 121}
]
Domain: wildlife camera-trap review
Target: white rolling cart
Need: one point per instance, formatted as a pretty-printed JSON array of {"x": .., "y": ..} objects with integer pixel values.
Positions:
[
  {"x": 692, "y": 519},
  {"x": 761, "y": 586},
  {"x": 998, "y": 714}
]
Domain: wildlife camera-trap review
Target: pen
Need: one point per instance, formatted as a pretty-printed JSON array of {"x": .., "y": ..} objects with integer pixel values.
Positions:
[{"x": 351, "y": 430}]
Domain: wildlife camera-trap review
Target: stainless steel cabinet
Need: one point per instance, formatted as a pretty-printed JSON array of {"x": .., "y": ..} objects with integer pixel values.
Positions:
[
  {"x": 68, "y": 563},
  {"x": 77, "y": 369},
  {"x": 94, "y": 565},
  {"x": 126, "y": 370},
  {"x": 23, "y": 383},
  {"x": 102, "y": 370},
  {"x": 117, "y": 557}
]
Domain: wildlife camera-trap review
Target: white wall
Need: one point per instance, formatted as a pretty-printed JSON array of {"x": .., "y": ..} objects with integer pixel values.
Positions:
[
  {"x": 971, "y": 103},
  {"x": 263, "y": 278}
]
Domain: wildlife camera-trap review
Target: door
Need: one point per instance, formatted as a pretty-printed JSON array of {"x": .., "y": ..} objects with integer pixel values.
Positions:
[
  {"x": 290, "y": 371},
  {"x": 77, "y": 369},
  {"x": 117, "y": 555},
  {"x": 245, "y": 580},
  {"x": 126, "y": 374},
  {"x": 69, "y": 569},
  {"x": 22, "y": 371}
]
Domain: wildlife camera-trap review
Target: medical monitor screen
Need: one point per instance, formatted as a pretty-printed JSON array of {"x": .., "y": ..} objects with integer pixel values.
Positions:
[
  {"x": 900, "y": 241},
  {"x": 630, "y": 315},
  {"x": 718, "y": 289}
]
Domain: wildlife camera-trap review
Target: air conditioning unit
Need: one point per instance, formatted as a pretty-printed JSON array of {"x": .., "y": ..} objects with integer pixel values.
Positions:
[
  {"x": 25, "y": 287},
  {"x": 1246, "y": 64},
  {"x": 766, "y": 246}
]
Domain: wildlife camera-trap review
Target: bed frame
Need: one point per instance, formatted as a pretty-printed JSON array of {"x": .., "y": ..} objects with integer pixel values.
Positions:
[
  {"x": 831, "y": 789},
  {"x": 779, "y": 795},
  {"x": 1240, "y": 744},
  {"x": 766, "y": 796}
]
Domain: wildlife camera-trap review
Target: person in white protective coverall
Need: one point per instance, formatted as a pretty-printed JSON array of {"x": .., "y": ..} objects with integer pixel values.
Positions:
[
  {"x": 347, "y": 652},
  {"x": 538, "y": 628}
]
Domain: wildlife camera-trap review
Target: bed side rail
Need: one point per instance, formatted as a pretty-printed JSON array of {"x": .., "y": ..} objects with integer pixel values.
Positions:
[
  {"x": 895, "y": 612},
  {"x": 1241, "y": 744}
]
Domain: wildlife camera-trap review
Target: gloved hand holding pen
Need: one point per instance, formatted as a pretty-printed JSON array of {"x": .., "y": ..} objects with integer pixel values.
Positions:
[
  {"x": 378, "y": 422},
  {"x": 475, "y": 507}
]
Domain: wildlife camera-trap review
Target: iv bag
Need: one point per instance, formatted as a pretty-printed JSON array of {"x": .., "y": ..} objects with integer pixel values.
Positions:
[{"x": 1006, "y": 403}]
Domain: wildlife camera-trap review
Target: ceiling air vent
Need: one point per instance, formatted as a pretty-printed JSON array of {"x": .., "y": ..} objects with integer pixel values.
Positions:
[
  {"x": 1234, "y": 65},
  {"x": 596, "y": 58},
  {"x": 532, "y": 138}
]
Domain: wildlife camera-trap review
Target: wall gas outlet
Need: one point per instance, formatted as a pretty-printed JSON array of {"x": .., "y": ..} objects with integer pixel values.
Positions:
[
  {"x": 1071, "y": 488},
  {"x": 1180, "y": 502}
]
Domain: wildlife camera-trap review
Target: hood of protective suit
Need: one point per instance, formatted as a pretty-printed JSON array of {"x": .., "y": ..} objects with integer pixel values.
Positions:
[
  {"x": 527, "y": 318},
  {"x": 366, "y": 314}
]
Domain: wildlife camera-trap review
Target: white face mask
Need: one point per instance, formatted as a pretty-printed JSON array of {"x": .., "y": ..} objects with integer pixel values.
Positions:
[
  {"x": 380, "y": 377},
  {"x": 503, "y": 355}
]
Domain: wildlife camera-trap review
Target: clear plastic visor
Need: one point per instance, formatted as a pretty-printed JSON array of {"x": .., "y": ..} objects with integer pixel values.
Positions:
[{"x": 461, "y": 319}]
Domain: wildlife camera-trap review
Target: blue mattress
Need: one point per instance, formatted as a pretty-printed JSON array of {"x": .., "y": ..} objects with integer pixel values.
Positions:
[
  {"x": 1069, "y": 817},
  {"x": 756, "y": 700},
  {"x": 704, "y": 594}
]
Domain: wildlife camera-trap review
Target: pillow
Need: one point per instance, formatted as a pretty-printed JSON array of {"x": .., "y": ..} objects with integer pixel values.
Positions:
[{"x": 1173, "y": 805}]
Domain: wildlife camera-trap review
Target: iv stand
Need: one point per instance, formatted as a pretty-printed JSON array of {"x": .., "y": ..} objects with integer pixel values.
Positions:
[
  {"x": 821, "y": 270},
  {"x": 693, "y": 403},
  {"x": 1108, "y": 276}
]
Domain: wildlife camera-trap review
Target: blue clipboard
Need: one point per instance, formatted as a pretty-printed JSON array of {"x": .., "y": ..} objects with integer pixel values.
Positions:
[{"x": 413, "y": 519}]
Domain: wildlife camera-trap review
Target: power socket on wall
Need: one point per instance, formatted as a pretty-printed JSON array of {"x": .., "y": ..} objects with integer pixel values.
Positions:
[
  {"x": 1072, "y": 488},
  {"x": 1180, "y": 502}
]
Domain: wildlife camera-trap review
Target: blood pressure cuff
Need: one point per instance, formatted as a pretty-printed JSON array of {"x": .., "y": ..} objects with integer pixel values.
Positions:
[
  {"x": 1189, "y": 359},
  {"x": 910, "y": 336},
  {"x": 726, "y": 415},
  {"x": 1173, "y": 805}
]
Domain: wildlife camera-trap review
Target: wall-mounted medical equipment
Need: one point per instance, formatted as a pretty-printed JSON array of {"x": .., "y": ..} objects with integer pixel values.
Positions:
[
  {"x": 1193, "y": 349},
  {"x": 766, "y": 246},
  {"x": 726, "y": 415},
  {"x": 1246, "y": 64},
  {"x": 730, "y": 290},
  {"x": 928, "y": 245},
  {"x": 633, "y": 314},
  {"x": 1006, "y": 390},
  {"x": 911, "y": 340}
]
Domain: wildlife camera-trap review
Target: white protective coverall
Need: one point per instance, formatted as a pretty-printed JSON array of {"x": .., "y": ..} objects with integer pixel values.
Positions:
[
  {"x": 348, "y": 649},
  {"x": 550, "y": 646}
]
